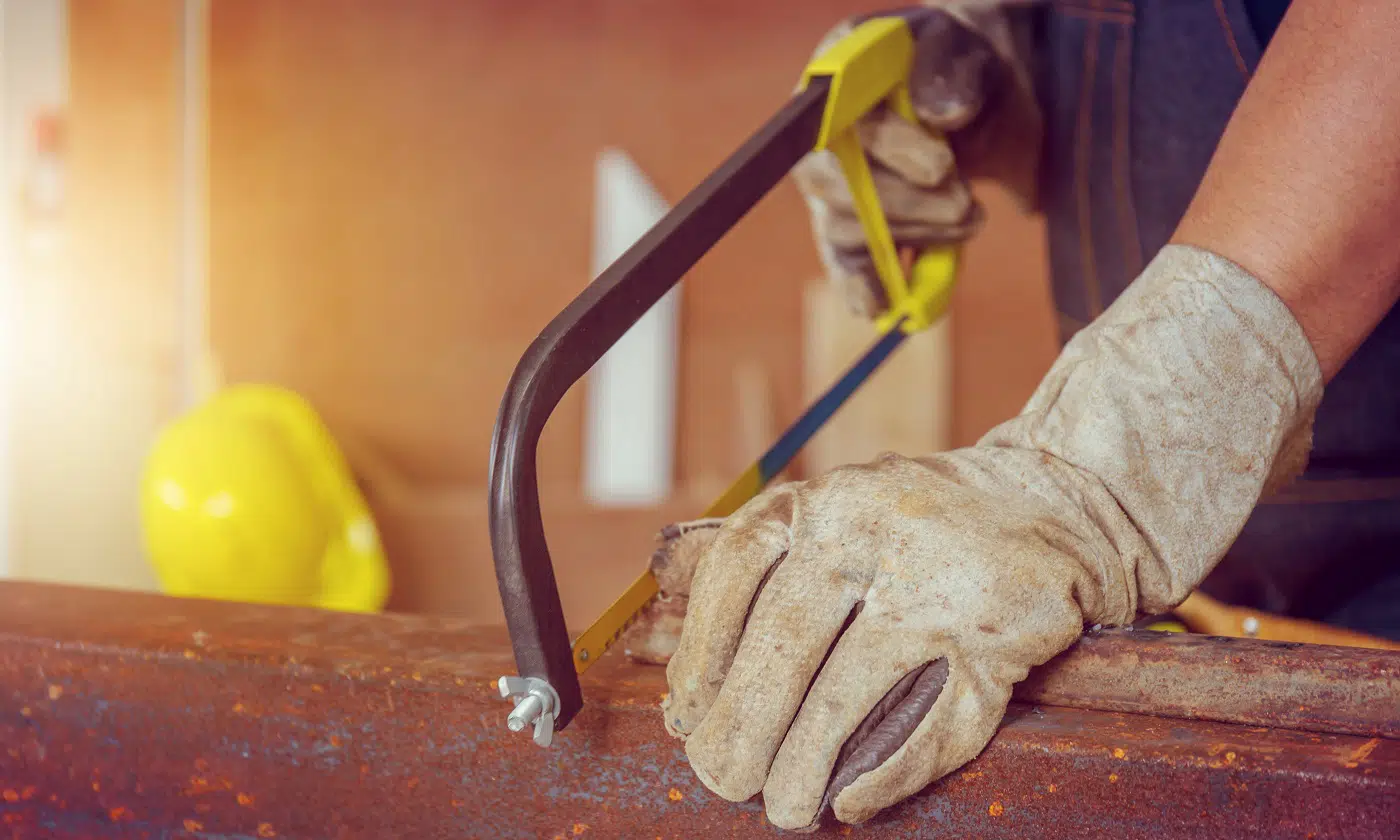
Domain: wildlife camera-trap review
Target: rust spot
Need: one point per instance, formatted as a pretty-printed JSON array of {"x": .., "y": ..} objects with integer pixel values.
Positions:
[
  {"x": 1118, "y": 752},
  {"x": 55, "y": 692},
  {"x": 239, "y": 708},
  {"x": 412, "y": 783},
  {"x": 1050, "y": 788},
  {"x": 995, "y": 809},
  {"x": 457, "y": 803},
  {"x": 580, "y": 828},
  {"x": 28, "y": 792},
  {"x": 10, "y": 796},
  {"x": 26, "y": 711},
  {"x": 119, "y": 813},
  {"x": 265, "y": 830},
  {"x": 245, "y": 800},
  {"x": 674, "y": 795},
  {"x": 199, "y": 784},
  {"x": 1361, "y": 753},
  {"x": 194, "y": 825},
  {"x": 96, "y": 787},
  {"x": 1112, "y": 778}
]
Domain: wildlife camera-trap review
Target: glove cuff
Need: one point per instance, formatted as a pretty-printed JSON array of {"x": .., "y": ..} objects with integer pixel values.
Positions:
[{"x": 1184, "y": 400}]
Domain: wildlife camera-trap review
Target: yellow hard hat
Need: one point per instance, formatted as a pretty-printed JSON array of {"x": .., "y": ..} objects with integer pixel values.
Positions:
[{"x": 248, "y": 498}]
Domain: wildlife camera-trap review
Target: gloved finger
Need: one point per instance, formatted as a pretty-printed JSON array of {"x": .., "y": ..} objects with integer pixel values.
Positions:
[
  {"x": 680, "y": 547},
  {"x": 954, "y": 70},
  {"x": 909, "y": 151},
  {"x": 958, "y": 217},
  {"x": 852, "y": 269},
  {"x": 859, "y": 285},
  {"x": 939, "y": 201},
  {"x": 656, "y": 633},
  {"x": 876, "y": 686},
  {"x": 728, "y": 578},
  {"x": 795, "y": 621},
  {"x": 955, "y": 729},
  {"x": 910, "y": 211}
]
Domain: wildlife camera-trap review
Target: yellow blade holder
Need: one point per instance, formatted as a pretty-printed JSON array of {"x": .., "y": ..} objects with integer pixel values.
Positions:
[{"x": 867, "y": 69}]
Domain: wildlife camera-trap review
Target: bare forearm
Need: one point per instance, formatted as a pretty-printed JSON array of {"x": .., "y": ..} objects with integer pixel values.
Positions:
[{"x": 1304, "y": 188}]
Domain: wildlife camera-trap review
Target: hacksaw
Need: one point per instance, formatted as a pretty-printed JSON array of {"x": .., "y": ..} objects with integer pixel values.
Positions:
[{"x": 867, "y": 69}]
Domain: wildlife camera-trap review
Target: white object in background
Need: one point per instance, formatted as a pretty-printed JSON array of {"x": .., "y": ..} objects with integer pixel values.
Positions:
[
  {"x": 33, "y": 79},
  {"x": 197, "y": 376},
  {"x": 630, "y": 418}
]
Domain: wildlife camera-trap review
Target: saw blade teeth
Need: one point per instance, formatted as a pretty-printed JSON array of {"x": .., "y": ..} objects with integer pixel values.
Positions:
[
  {"x": 617, "y": 634},
  {"x": 622, "y": 628}
]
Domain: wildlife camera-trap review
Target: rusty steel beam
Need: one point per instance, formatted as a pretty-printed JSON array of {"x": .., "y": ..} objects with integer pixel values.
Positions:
[
  {"x": 137, "y": 716},
  {"x": 1315, "y": 688}
]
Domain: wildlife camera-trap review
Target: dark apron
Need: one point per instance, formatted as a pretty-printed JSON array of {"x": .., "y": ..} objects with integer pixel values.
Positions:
[{"x": 1136, "y": 96}]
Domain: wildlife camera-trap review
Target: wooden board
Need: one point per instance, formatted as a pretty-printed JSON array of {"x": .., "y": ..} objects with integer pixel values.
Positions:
[{"x": 905, "y": 406}]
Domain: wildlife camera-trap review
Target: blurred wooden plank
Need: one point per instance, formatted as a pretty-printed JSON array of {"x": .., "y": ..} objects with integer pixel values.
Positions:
[{"x": 904, "y": 407}]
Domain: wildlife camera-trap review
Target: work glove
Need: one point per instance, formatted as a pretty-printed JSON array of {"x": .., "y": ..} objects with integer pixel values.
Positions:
[
  {"x": 852, "y": 638},
  {"x": 971, "y": 88}
]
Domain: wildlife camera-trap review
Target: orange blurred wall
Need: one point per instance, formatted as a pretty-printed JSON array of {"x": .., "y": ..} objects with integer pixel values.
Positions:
[{"x": 400, "y": 198}]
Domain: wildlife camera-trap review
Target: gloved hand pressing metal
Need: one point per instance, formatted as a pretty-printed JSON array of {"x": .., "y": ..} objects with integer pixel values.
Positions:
[
  {"x": 978, "y": 118},
  {"x": 852, "y": 638}
]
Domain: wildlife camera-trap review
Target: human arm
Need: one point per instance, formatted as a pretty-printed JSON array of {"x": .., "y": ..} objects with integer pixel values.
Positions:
[{"x": 1304, "y": 188}]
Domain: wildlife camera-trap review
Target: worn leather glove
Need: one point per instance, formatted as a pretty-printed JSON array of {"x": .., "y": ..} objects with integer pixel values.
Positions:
[
  {"x": 972, "y": 92},
  {"x": 852, "y": 638}
]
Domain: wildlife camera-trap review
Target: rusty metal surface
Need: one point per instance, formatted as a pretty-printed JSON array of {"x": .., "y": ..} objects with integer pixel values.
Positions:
[
  {"x": 135, "y": 716},
  {"x": 1310, "y": 687}
]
